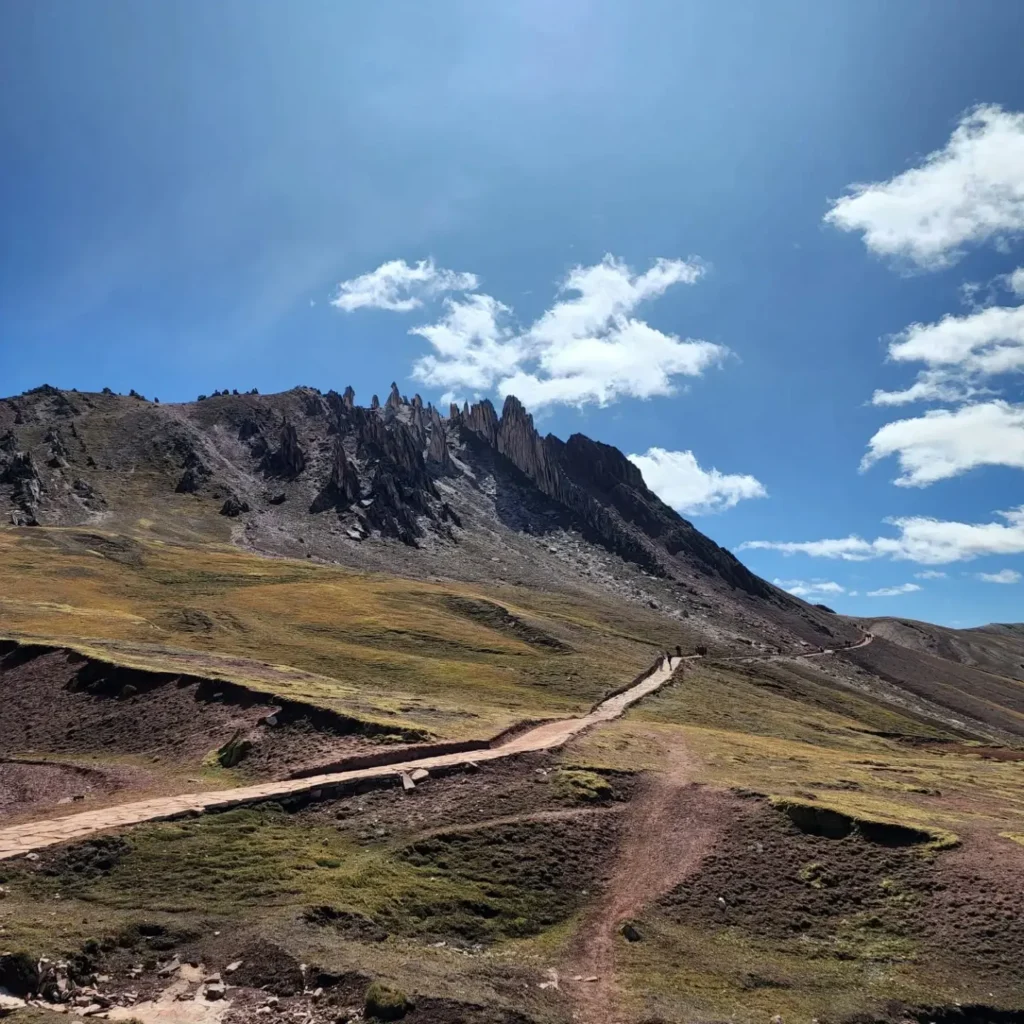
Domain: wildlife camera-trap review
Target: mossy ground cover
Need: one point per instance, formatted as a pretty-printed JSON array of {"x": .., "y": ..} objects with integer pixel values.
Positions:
[
  {"x": 402, "y": 652},
  {"x": 803, "y": 737},
  {"x": 468, "y": 886}
]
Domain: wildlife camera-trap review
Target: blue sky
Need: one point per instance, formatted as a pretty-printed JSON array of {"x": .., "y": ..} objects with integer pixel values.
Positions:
[{"x": 184, "y": 188}]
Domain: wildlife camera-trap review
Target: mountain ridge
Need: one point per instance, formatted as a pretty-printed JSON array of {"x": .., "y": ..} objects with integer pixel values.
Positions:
[{"x": 304, "y": 472}]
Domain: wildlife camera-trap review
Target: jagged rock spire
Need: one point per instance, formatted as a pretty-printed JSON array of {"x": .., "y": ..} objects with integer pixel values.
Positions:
[
  {"x": 437, "y": 448},
  {"x": 342, "y": 487},
  {"x": 348, "y": 398},
  {"x": 394, "y": 402}
]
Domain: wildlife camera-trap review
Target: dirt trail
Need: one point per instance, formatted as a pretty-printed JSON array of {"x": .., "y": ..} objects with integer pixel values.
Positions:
[
  {"x": 670, "y": 826},
  {"x": 21, "y": 839}
]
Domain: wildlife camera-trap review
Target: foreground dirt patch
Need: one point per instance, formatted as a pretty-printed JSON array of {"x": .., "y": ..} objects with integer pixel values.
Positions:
[
  {"x": 53, "y": 706},
  {"x": 27, "y": 786},
  {"x": 952, "y": 914}
]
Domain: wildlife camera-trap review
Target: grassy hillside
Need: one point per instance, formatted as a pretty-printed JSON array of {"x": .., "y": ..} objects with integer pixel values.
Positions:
[{"x": 445, "y": 658}]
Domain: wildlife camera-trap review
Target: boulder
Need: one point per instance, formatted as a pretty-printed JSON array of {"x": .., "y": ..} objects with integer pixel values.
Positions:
[{"x": 234, "y": 507}]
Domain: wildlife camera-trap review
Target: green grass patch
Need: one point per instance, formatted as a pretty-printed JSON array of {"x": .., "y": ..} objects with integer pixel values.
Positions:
[
  {"x": 479, "y": 885},
  {"x": 582, "y": 786}
]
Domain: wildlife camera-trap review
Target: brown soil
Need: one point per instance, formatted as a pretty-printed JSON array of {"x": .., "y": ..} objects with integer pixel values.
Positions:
[
  {"x": 48, "y": 710},
  {"x": 514, "y": 788},
  {"x": 26, "y": 786},
  {"x": 960, "y": 906}
]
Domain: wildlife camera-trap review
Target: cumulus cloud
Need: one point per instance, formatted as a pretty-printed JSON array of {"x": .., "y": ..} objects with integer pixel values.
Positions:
[
  {"x": 1015, "y": 281},
  {"x": 959, "y": 353},
  {"x": 810, "y": 588},
  {"x": 942, "y": 444},
  {"x": 930, "y": 574},
  {"x": 903, "y": 588},
  {"x": 588, "y": 347},
  {"x": 399, "y": 287},
  {"x": 970, "y": 191},
  {"x": 1003, "y": 576},
  {"x": 920, "y": 539},
  {"x": 473, "y": 345},
  {"x": 679, "y": 480}
]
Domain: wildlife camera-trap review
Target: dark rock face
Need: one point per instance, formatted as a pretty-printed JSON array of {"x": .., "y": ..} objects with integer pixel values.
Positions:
[
  {"x": 400, "y": 485},
  {"x": 483, "y": 420},
  {"x": 234, "y": 507},
  {"x": 438, "y": 455},
  {"x": 18, "y": 470},
  {"x": 58, "y": 450},
  {"x": 289, "y": 460},
  {"x": 607, "y": 494},
  {"x": 342, "y": 487},
  {"x": 195, "y": 476}
]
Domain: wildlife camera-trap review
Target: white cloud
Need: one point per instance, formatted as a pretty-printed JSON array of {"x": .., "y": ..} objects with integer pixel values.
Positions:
[
  {"x": 921, "y": 539},
  {"x": 930, "y": 386},
  {"x": 930, "y": 574},
  {"x": 810, "y": 588},
  {"x": 1003, "y": 576},
  {"x": 400, "y": 287},
  {"x": 959, "y": 352},
  {"x": 943, "y": 444},
  {"x": 903, "y": 588},
  {"x": 678, "y": 479},
  {"x": 588, "y": 347},
  {"x": 473, "y": 345},
  {"x": 1015, "y": 281},
  {"x": 971, "y": 190}
]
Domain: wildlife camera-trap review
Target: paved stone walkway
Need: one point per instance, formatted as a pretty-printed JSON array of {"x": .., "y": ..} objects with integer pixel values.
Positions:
[{"x": 21, "y": 839}]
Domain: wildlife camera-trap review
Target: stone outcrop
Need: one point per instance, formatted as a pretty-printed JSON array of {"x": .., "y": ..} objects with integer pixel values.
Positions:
[
  {"x": 342, "y": 487},
  {"x": 394, "y": 400},
  {"x": 606, "y": 493},
  {"x": 288, "y": 460},
  {"x": 196, "y": 474},
  {"x": 234, "y": 507},
  {"x": 438, "y": 455},
  {"x": 58, "y": 450},
  {"x": 18, "y": 470},
  {"x": 482, "y": 420}
]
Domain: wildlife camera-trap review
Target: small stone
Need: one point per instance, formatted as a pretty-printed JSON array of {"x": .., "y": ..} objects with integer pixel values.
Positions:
[
  {"x": 407, "y": 783},
  {"x": 232, "y": 967},
  {"x": 32, "y": 857},
  {"x": 419, "y": 775},
  {"x": 169, "y": 968},
  {"x": 216, "y": 991}
]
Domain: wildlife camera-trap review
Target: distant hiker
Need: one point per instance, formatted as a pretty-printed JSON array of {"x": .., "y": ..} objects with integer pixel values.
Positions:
[{"x": 679, "y": 651}]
